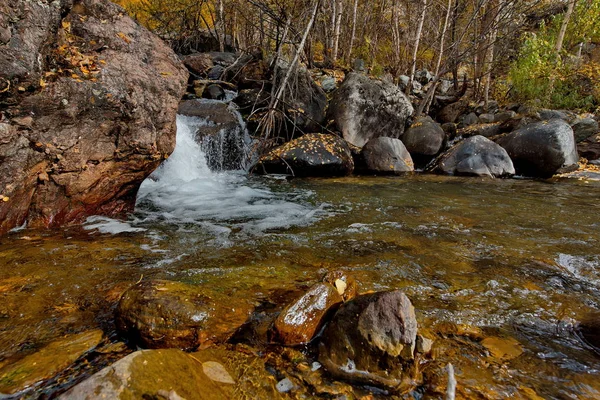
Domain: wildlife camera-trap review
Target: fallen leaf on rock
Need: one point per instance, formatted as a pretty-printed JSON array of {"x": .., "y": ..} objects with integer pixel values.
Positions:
[{"x": 217, "y": 372}]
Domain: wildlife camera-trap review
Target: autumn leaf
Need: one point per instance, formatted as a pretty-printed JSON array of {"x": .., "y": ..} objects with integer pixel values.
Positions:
[{"x": 124, "y": 37}]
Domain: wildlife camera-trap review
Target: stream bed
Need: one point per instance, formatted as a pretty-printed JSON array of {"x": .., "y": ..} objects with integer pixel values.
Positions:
[{"x": 514, "y": 260}]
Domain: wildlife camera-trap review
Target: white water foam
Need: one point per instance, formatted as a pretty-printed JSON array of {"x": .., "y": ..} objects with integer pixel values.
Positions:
[{"x": 185, "y": 191}]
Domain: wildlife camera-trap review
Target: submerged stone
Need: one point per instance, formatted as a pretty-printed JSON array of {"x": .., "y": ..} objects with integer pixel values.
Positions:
[
  {"x": 166, "y": 314},
  {"x": 210, "y": 374},
  {"x": 47, "y": 362}
]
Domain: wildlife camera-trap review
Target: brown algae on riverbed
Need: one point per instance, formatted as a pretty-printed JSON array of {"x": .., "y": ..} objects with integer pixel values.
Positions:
[{"x": 516, "y": 260}]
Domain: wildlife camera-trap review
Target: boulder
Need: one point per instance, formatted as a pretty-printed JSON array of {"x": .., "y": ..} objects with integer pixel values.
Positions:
[
  {"x": 166, "y": 314},
  {"x": 198, "y": 63},
  {"x": 424, "y": 138},
  {"x": 486, "y": 118},
  {"x": 504, "y": 116},
  {"x": 486, "y": 130},
  {"x": 590, "y": 148},
  {"x": 363, "y": 108},
  {"x": 250, "y": 99},
  {"x": 300, "y": 321},
  {"x": 310, "y": 155},
  {"x": 477, "y": 156},
  {"x": 328, "y": 83},
  {"x": 214, "y": 92},
  {"x": 423, "y": 77},
  {"x": 100, "y": 100},
  {"x": 451, "y": 112},
  {"x": 547, "y": 115},
  {"x": 384, "y": 155},
  {"x": 583, "y": 128},
  {"x": 371, "y": 340},
  {"x": 470, "y": 119},
  {"x": 220, "y": 131},
  {"x": 211, "y": 374},
  {"x": 304, "y": 101},
  {"x": 542, "y": 149}
]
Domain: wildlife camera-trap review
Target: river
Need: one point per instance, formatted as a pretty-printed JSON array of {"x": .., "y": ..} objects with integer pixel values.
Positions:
[{"x": 515, "y": 260}]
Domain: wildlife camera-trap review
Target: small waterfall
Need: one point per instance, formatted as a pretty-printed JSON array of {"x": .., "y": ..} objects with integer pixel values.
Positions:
[{"x": 186, "y": 190}]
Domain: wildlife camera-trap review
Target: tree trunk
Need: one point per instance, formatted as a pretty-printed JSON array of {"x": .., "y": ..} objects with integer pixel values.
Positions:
[
  {"x": 338, "y": 28},
  {"x": 431, "y": 93},
  {"x": 349, "y": 55},
  {"x": 413, "y": 68},
  {"x": 221, "y": 25}
]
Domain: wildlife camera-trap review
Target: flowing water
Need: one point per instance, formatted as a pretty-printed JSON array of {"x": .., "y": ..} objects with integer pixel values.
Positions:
[{"x": 500, "y": 271}]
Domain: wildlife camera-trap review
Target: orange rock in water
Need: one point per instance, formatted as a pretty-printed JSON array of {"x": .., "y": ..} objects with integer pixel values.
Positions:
[{"x": 300, "y": 321}]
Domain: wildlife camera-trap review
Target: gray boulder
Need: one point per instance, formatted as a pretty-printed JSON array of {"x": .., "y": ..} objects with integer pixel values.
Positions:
[
  {"x": 477, "y": 156},
  {"x": 363, "y": 109},
  {"x": 583, "y": 128},
  {"x": 387, "y": 156},
  {"x": 425, "y": 137},
  {"x": 542, "y": 149}
]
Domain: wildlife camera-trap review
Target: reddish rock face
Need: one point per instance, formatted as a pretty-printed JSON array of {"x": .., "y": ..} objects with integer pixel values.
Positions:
[
  {"x": 88, "y": 101},
  {"x": 300, "y": 321}
]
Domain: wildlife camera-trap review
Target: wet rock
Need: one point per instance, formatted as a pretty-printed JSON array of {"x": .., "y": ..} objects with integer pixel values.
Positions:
[
  {"x": 589, "y": 330},
  {"x": 363, "y": 109},
  {"x": 216, "y": 73},
  {"x": 583, "y": 128},
  {"x": 477, "y": 156},
  {"x": 211, "y": 374},
  {"x": 542, "y": 149},
  {"x": 424, "y": 344},
  {"x": 384, "y": 155},
  {"x": 424, "y": 138},
  {"x": 371, "y": 340},
  {"x": 309, "y": 155},
  {"x": 95, "y": 131},
  {"x": 502, "y": 348},
  {"x": 214, "y": 92},
  {"x": 165, "y": 314},
  {"x": 345, "y": 284},
  {"x": 221, "y": 133},
  {"x": 300, "y": 321},
  {"x": 47, "y": 362}
]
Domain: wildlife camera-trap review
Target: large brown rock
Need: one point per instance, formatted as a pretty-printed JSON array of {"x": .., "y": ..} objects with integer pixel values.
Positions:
[
  {"x": 371, "y": 340},
  {"x": 88, "y": 108},
  {"x": 166, "y": 314}
]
